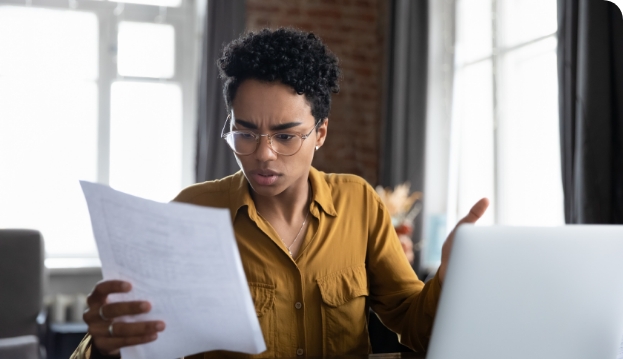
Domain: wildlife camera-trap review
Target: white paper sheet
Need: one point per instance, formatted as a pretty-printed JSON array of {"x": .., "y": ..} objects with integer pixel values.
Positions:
[{"x": 184, "y": 260}]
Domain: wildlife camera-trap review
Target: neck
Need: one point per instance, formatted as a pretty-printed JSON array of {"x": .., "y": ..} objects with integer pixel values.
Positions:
[{"x": 288, "y": 206}]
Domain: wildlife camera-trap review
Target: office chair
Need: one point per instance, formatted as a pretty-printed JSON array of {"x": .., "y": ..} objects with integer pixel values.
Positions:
[{"x": 21, "y": 292}]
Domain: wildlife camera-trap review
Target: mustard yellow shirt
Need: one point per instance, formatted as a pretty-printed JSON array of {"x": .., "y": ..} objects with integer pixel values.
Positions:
[{"x": 350, "y": 260}]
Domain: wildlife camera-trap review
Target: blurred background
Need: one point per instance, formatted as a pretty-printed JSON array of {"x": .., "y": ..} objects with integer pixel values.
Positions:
[{"x": 460, "y": 98}]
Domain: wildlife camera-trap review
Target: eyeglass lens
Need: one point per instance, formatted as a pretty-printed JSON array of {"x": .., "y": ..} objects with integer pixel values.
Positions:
[{"x": 244, "y": 143}]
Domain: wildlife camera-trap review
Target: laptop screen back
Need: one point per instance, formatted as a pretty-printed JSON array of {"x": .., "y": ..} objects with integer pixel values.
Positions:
[{"x": 525, "y": 292}]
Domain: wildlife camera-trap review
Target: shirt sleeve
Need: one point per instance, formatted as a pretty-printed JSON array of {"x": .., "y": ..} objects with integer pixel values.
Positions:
[
  {"x": 83, "y": 351},
  {"x": 403, "y": 303}
]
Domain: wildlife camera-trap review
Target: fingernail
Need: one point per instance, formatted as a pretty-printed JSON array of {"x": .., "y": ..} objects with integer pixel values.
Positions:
[
  {"x": 159, "y": 327},
  {"x": 153, "y": 336},
  {"x": 144, "y": 306},
  {"x": 125, "y": 286}
]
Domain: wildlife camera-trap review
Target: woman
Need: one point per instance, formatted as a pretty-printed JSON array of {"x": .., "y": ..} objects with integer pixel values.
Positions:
[{"x": 318, "y": 249}]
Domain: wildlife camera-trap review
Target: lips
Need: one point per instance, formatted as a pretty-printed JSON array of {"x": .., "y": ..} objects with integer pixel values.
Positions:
[{"x": 264, "y": 177}]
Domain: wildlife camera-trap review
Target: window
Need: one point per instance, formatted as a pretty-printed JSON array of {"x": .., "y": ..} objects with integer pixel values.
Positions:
[
  {"x": 504, "y": 139},
  {"x": 98, "y": 91}
]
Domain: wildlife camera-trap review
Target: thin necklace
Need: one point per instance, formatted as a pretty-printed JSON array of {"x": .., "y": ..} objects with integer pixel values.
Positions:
[
  {"x": 300, "y": 229},
  {"x": 297, "y": 235}
]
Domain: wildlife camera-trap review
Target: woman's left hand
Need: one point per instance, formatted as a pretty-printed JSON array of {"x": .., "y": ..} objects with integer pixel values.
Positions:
[{"x": 474, "y": 215}]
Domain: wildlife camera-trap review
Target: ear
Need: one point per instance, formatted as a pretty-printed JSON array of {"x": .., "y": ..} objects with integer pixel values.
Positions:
[{"x": 321, "y": 133}]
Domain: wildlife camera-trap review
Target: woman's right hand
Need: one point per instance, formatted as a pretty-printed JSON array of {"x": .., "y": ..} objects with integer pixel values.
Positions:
[{"x": 109, "y": 337}]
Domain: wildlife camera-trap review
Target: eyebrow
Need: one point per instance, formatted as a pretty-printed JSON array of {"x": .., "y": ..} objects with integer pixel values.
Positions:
[{"x": 280, "y": 127}]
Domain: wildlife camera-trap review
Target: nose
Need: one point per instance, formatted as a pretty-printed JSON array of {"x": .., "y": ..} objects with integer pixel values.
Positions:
[{"x": 264, "y": 152}]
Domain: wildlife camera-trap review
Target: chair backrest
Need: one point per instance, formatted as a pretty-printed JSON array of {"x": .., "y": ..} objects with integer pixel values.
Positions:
[
  {"x": 21, "y": 281},
  {"x": 23, "y": 347}
]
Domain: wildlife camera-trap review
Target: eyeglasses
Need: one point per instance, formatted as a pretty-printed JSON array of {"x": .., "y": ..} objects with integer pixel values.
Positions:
[{"x": 244, "y": 143}]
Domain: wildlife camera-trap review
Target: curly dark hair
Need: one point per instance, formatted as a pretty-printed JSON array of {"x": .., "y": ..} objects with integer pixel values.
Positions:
[{"x": 293, "y": 57}]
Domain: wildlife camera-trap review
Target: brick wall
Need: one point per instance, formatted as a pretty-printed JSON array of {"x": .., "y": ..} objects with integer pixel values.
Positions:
[{"x": 355, "y": 30}]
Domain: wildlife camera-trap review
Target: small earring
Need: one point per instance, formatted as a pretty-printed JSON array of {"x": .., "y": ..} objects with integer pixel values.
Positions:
[{"x": 317, "y": 147}]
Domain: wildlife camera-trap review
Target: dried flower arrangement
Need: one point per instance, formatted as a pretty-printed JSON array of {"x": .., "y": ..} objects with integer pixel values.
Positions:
[{"x": 402, "y": 206}]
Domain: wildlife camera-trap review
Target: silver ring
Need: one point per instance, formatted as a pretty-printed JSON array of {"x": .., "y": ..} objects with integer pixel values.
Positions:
[
  {"x": 102, "y": 314},
  {"x": 110, "y": 330}
]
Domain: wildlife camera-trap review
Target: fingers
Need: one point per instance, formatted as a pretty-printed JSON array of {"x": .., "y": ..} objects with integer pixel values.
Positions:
[
  {"x": 477, "y": 211},
  {"x": 100, "y": 314},
  {"x": 115, "y": 310},
  {"x": 111, "y": 345},
  {"x": 121, "y": 330},
  {"x": 103, "y": 289},
  {"x": 122, "y": 334}
]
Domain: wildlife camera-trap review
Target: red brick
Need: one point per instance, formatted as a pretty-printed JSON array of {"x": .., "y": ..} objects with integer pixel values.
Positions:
[
  {"x": 324, "y": 13},
  {"x": 365, "y": 4},
  {"x": 261, "y": 7},
  {"x": 294, "y": 11}
]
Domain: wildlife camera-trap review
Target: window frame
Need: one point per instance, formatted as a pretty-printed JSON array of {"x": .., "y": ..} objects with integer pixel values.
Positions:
[
  {"x": 185, "y": 20},
  {"x": 498, "y": 52},
  {"x": 441, "y": 211}
]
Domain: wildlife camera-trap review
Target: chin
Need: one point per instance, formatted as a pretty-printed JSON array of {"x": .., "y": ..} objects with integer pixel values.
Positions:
[{"x": 266, "y": 191}]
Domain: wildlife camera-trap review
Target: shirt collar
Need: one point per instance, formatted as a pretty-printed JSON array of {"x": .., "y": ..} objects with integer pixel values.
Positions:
[
  {"x": 321, "y": 191},
  {"x": 239, "y": 195}
]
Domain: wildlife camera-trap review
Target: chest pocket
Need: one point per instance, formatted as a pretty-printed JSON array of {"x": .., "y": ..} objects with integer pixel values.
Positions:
[
  {"x": 264, "y": 301},
  {"x": 344, "y": 311},
  {"x": 263, "y": 297}
]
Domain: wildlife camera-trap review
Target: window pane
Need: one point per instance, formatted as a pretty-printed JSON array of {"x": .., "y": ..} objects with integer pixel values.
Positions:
[
  {"x": 41, "y": 43},
  {"x": 168, "y": 3},
  {"x": 473, "y": 117},
  {"x": 146, "y": 50},
  {"x": 48, "y": 141},
  {"x": 473, "y": 32},
  {"x": 525, "y": 20},
  {"x": 530, "y": 187},
  {"x": 48, "y": 123},
  {"x": 146, "y": 139}
]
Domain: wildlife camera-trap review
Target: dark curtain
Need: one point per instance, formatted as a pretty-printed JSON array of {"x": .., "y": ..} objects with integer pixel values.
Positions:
[
  {"x": 403, "y": 146},
  {"x": 590, "y": 69},
  {"x": 224, "y": 21},
  {"x": 402, "y": 156}
]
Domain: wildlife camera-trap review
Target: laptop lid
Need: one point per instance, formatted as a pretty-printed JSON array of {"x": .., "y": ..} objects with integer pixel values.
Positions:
[{"x": 527, "y": 292}]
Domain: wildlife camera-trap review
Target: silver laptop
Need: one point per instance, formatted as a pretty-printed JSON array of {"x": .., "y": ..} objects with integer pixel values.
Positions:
[{"x": 526, "y": 292}]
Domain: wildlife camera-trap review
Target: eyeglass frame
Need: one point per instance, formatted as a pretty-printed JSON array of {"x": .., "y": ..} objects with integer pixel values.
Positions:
[{"x": 258, "y": 137}]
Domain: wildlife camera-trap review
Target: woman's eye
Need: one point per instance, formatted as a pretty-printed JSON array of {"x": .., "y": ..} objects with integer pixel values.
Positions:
[
  {"x": 283, "y": 136},
  {"x": 246, "y": 135}
]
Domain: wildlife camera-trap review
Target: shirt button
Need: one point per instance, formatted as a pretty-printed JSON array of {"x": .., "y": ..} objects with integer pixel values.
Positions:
[
  {"x": 298, "y": 305},
  {"x": 299, "y": 351}
]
